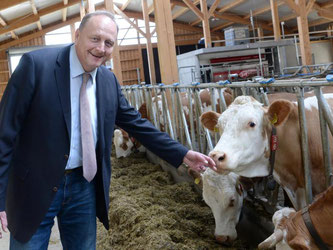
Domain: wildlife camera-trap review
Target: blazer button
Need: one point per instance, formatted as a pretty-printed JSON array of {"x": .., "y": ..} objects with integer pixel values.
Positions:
[
  {"x": 55, "y": 189},
  {"x": 66, "y": 157}
]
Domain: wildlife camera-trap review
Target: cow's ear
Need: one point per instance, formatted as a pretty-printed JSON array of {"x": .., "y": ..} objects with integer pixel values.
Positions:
[
  {"x": 209, "y": 120},
  {"x": 278, "y": 111}
]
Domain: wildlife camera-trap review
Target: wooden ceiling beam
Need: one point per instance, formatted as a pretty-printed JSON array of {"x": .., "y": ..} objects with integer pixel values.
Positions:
[
  {"x": 124, "y": 6},
  {"x": 326, "y": 5},
  {"x": 4, "y": 4},
  {"x": 326, "y": 15},
  {"x": 194, "y": 8},
  {"x": 263, "y": 10},
  {"x": 64, "y": 11},
  {"x": 230, "y": 6},
  {"x": 221, "y": 10},
  {"x": 34, "y": 10},
  {"x": 91, "y": 6},
  {"x": 23, "y": 21},
  {"x": 178, "y": 3},
  {"x": 33, "y": 7},
  {"x": 309, "y": 6},
  {"x": 240, "y": 20},
  {"x": 14, "y": 36},
  {"x": 213, "y": 7},
  {"x": 151, "y": 9},
  {"x": 292, "y": 5},
  {"x": 123, "y": 15},
  {"x": 39, "y": 33},
  {"x": 12, "y": 33},
  {"x": 183, "y": 10},
  {"x": 313, "y": 23}
]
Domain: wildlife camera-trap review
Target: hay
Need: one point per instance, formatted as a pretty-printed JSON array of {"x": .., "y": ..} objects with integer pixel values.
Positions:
[{"x": 149, "y": 211}]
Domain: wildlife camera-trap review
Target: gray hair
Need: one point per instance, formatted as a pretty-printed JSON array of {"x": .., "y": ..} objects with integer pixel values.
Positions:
[{"x": 97, "y": 13}]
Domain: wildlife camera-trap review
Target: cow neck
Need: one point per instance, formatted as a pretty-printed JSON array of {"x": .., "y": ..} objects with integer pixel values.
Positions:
[
  {"x": 271, "y": 183},
  {"x": 312, "y": 230}
]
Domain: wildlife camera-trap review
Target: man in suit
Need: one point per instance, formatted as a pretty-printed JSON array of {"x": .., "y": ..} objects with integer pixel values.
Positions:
[{"x": 41, "y": 150}]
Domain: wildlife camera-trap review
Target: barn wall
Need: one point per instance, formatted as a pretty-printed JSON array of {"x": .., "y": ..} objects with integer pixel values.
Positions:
[
  {"x": 322, "y": 52},
  {"x": 131, "y": 64}
]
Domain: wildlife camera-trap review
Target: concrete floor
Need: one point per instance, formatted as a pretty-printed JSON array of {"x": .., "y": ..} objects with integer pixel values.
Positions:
[{"x": 54, "y": 243}]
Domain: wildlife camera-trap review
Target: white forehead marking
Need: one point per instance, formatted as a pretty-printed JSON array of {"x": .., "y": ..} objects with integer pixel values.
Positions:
[{"x": 242, "y": 106}]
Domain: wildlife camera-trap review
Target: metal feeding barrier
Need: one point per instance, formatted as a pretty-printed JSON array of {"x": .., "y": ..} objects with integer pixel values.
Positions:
[{"x": 177, "y": 108}]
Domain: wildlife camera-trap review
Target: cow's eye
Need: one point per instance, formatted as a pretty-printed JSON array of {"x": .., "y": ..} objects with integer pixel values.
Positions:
[{"x": 252, "y": 124}]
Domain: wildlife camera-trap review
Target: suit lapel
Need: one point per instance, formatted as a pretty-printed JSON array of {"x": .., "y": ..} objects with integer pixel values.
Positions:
[{"x": 62, "y": 73}]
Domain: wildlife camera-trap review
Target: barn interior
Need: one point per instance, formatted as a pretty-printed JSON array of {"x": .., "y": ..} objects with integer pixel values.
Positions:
[{"x": 253, "y": 46}]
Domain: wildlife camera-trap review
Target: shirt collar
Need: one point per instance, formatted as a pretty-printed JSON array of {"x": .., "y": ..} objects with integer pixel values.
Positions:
[{"x": 76, "y": 68}]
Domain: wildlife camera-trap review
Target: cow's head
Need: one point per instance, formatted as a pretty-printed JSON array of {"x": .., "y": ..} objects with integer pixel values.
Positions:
[
  {"x": 245, "y": 128},
  {"x": 224, "y": 195},
  {"x": 123, "y": 143},
  {"x": 279, "y": 219}
]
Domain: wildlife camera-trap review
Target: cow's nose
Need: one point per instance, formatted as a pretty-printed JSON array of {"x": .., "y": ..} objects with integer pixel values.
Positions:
[
  {"x": 223, "y": 239},
  {"x": 217, "y": 156}
]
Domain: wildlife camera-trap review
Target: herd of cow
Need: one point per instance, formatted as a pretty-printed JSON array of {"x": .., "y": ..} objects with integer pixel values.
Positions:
[{"x": 248, "y": 131}]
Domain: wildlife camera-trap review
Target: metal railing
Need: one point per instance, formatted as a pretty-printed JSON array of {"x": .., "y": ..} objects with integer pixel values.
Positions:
[{"x": 183, "y": 123}]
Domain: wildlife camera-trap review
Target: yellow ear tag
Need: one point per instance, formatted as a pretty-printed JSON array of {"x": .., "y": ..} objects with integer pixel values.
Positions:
[
  {"x": 197, "y": 181},
  {"x": 275, "y": 119},
  {"x": 216, "y": 129}
]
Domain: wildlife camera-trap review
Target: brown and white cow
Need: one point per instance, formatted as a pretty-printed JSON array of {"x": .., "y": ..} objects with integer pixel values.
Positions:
[
  {"x": 224, "y": 194},
  {"x": 244, "y": 146},
  {"x": 290, "y": 228},
  {"x": 126, "y": 145}
]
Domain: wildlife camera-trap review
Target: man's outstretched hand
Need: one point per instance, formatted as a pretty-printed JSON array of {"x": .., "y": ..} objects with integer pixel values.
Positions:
[{"x": 198, "y": 161}]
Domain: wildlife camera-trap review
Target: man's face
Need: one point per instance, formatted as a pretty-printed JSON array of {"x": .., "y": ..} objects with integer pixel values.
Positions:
[{"x": 94, "y": 43}]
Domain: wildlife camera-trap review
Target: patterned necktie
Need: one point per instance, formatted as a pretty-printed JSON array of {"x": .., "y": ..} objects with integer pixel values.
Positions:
[{"x": 87, "y": 139}]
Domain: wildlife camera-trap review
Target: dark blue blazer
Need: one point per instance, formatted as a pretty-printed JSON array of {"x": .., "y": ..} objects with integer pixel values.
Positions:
[{"x": 35, "y": 122}]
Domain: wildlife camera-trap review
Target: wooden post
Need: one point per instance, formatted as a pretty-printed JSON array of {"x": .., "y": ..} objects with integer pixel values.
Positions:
[
  {"x": 149, "y": 47},
  {"x": 91, "y": 6},
  {"x": 260, "y": 33},
  {"x": 205, "y": 24},
  {"x": 82, "y": 10},
  {"x": 275, "y": 20},
  {"x": 166, "y": 42},
  {"x": 115, "y": 54},
  {"x": 303, "y": 31},
  {"x": 73, "y": 32}
]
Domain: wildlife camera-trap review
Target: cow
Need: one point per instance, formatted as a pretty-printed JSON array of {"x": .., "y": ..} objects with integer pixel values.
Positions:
[
  {"x": 291, "y": 230},
  {"x": 244, "y": 146},
  {"x": 126, "y": 145},
  {"x": 224, "y": 194}
]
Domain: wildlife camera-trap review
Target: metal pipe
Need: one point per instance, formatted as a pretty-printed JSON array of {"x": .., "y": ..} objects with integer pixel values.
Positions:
[
  {"x": 213, "y": 102},
  {"x": 167, "y": 114},
  {"x": 192, "y": 128},
  {"x": 305, "y": 145},
  {"x": 297, "y": 53},
  {"x": 326, "y": 112},
  {"x": 324, "y": 139},
  {"x": 223, "y": 105},
  {"x": 199, "y": 105},
  {"x": 174, "y": 111},
  {"x": 187, "y": 134}
]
